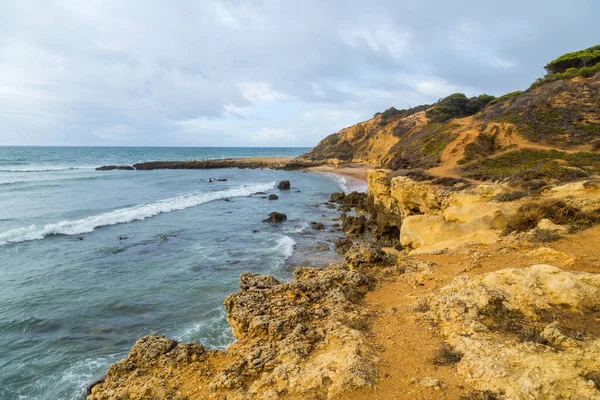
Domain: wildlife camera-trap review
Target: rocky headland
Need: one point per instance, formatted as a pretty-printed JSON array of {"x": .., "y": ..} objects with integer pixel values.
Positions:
[{"x": 470, "y": 269}]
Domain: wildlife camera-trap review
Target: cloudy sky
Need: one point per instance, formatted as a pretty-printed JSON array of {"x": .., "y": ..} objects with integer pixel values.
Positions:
[{"x": 260, "y": 73}]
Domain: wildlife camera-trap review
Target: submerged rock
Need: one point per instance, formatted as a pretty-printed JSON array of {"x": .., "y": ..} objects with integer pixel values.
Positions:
[
  {"x": 276, "y": 217},
  {"x": 273, "y": 197},
  {"x": 317, "y": 226},
  {"x": 362, "y": 255}
]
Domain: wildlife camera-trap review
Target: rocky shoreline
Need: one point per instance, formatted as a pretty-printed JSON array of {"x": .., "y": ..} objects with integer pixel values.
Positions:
[
  {"x": 509, "y": 333},
  {"x": 250, "y": 163}
]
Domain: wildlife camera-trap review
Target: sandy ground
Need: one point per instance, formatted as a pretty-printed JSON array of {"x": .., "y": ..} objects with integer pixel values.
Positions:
[
  {"x": 408, "y": 346},
  {"x": 354, "y": 175}
]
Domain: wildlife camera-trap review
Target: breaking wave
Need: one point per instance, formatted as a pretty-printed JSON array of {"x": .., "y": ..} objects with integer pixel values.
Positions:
[{"x": 128, "y": 214}]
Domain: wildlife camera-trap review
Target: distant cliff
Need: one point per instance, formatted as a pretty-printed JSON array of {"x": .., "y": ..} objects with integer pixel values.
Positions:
[{"x": 552, "y": 127}]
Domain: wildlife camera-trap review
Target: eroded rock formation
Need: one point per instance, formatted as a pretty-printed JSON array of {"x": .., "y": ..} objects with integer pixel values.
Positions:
[{"x": 304, "y": 337}]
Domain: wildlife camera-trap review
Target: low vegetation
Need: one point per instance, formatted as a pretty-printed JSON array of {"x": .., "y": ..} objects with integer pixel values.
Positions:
[
  {"x": 531, "y": 213},
  {"x": 393, "y": 113},
  {"x": 505, "y": 97},
  {"x": 446, "y": 355},
  {"x": 510, "y": 195},
  {"x": 481, "y": 395},
  {"x": 593, "y": 376},
  {"x": 420, "y": 149},
  {"x": 528, "y": 164}
]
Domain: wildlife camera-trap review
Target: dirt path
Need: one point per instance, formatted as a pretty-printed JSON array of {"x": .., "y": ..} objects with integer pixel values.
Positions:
[
  {"x": 408, "y": 346},
  {"x": 468, "y": 130}
]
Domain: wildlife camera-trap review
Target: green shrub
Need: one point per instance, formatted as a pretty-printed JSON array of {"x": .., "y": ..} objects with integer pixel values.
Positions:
[
  {"x": 575, "y": 60},
  {"x": 506, "y": 97},
  {"x": 525, "y": 165},
  {"x": 511, "y": 195},
  {"x": 530, "y": 214},
  {"x": 457, "y": 105}
]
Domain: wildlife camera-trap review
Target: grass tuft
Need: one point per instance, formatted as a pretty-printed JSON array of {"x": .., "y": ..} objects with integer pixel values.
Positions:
[{"x": 446, "y": 355}]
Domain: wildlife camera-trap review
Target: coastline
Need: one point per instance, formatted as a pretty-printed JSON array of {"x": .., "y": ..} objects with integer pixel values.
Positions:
[{"x": 399, "y": 315}]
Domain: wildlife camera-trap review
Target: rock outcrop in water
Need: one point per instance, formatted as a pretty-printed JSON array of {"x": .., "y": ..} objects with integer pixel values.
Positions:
[
  {"x": 300, "y": 338},
  {"x": 275, "y": 218}
]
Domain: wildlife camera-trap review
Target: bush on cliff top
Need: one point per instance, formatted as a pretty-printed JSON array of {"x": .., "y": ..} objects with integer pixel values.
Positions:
[
  {"x": 577, "y": 59},
  {"x": 585, "y": 63},
  {"x": 457, "y": 105}
]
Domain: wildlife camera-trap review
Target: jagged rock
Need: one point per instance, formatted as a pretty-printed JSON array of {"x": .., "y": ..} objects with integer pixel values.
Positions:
[
  {"x": 357, "y": 200},
  {"x": 303, "y": 338},
  {"x": 354, "y": 226},
  {"x": 273, "y": 197},
  {"x": 283, "y": 185},
  {"x": 362, "y": 255},
  {"x": 337, "y": 197},
  {"x": 342, "y": 245},
  {"x": 276, "y": 217}
]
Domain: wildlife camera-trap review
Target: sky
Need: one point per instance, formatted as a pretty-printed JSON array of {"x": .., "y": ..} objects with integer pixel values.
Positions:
[{"x": 262, "y": 72}]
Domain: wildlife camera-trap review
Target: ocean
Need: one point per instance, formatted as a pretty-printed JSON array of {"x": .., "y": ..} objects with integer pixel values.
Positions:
[{"x": 92, "y": 260}]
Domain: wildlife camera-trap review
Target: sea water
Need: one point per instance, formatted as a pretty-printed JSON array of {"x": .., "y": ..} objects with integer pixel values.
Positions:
[{"x": 92, "y": 260}]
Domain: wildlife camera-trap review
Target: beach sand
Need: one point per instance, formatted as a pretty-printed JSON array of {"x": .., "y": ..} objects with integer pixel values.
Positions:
[{"x": 353, "y": 176}]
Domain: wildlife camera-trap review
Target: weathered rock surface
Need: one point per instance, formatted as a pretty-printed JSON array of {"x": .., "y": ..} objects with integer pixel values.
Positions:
[
  {"x": 301, "y": 338},
  {"x": 273, "y": 197},
  {"x": 362, "y": 255},
  {"x": 430, "y": 218},
  {"x": 528, "y": 333}
]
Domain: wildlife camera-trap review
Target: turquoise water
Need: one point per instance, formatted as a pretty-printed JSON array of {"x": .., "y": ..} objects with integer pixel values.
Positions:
[{"x": 92, "y": 260}]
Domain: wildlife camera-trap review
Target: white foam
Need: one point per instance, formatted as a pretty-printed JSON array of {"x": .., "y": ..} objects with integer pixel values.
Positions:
[
  {"x": 124, "y": 215},
  {"x": 43, "y": 168},
  {"x": 340, "y": 180},
  {"x": 286, "y": 244},
  {"x": 346, "y": 185},
  {"x": 301, "y": 228}
]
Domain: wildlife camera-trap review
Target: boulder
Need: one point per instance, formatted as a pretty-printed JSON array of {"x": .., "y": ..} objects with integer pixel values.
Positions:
[
  {"x": 342, "y": 245},
  {"x": 273, "y": 197},
  {"x": 354, "y": 226},
  {"x": 362, "y": 255},
  {"x": 275, "y": 217},
  {"x": 283, "y": 185}
]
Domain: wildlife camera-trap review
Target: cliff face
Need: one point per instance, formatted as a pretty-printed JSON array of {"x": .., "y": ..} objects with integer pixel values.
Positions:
[
  {"x": 561, "y": 115},
  {"x": 431, "y": 217}
]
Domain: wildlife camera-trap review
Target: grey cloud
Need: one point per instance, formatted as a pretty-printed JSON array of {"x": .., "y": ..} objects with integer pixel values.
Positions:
[{"x": 259, "y": 72}]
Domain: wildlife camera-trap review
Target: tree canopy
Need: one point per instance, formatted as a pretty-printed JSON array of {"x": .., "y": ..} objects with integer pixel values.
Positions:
[
  {"x": 577, "y": 59},
  {"x": 457, "y": 105}
]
